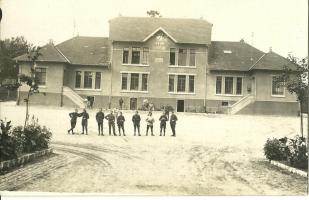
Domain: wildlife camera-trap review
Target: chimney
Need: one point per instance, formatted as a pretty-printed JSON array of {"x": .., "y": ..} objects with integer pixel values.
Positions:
[
  {"x": 270, "y": 50},
  {"x": 242, "y": 40}
]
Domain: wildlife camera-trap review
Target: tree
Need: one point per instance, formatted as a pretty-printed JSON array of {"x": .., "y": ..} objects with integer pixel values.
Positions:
[
  {"x": 9, "y": 49},
  {"x": 30, "y": 80},
  {"x": 153, "y": 13},
  {"x": 296, "y": 82}
]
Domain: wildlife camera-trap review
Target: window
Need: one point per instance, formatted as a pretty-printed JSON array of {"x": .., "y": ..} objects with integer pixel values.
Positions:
[
  {"x": 191, "y": 84},
  {"x": 87, "y": 79},
  {"x": 238, "y": 85},
  {"x": 134, "y": 81},
  {"x": 181, "y": 83},
  {"x": 144, "y": 82},
  {"x": 125, "y": 56},
  {"x": 135, "y": 55},
  {"x": 97, "y": 80},
  {"x": 78, "y": 79},
  {"x": 171, "y": 82},
  {"x": 182, "y": 57},
  {"x": 40, "y": 74},
  {"x": 124, "y": 81},
  {"x": 228, "y": 85},
  {"x": 192, "y": 57},
  {"x": 145, "y": 55},
  {"x": 218, "y": 84},
  {"x": 277, "y": 87},
  {"x": 172, "y": 56}
]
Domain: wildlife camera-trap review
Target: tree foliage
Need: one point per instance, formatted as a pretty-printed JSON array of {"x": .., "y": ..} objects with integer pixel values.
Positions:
[{"x": 9, "y": 49}]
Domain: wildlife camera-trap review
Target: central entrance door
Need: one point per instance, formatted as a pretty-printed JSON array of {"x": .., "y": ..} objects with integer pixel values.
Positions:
[
  {"x": 133, "y": 103},
  {"x": 180, "y": 105}
]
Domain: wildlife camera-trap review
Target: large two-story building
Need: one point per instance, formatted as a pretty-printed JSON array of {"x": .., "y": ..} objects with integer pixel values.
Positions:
[{"x": 163, "y": 61}]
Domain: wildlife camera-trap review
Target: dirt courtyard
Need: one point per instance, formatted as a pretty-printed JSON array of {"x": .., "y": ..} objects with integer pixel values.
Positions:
[{"x": 212, "y": 154}]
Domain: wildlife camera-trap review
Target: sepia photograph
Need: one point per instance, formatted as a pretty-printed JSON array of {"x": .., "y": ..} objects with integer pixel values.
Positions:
[{"x": 154, "y": 97}]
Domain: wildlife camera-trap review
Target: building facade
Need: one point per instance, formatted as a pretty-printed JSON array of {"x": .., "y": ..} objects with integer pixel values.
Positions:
[{"x": 164, "y": 62}]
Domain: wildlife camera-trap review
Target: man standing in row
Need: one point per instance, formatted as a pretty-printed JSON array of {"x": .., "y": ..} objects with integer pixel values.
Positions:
[
  {"x": 173, "y": 119},
  {"x": 120, "y": 123},
  {"x": 136, "y": 119},
  {"x": 73, "y": 116},
  {"x": 150, "y": 120},
  {"x": 111, "y": 122},
  {"x": 100, "y": 117},
  {"x": 163, "y": 119},
  {"x": 85, "y": 117}
]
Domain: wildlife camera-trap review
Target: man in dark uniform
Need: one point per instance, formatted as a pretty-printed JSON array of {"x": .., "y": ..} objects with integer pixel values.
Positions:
[
  {"x": 136, "y": 119},
  {"x": 120, "y": 123},
  {"x": 111, "y": 122},
  {"x": 73, "y": 116},
  {"x": 85, "y": 117},
  {"x": 163, "y": 119},
  {"x": 173, "y": 120},
  {"x": 100, "y": 117}
]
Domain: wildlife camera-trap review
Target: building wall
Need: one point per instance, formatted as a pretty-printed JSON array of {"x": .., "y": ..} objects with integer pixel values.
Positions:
[
  {"x": 214, "y": 99},
  {"x": 158, "y": 70},
  {"x": 264, "y": 88},
  {"x": 54, "y": 76}
]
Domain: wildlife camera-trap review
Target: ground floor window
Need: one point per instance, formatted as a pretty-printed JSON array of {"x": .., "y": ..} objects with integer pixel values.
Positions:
[
  {"x": 229, "y": 85},
  {"x": 134, "y": 81},
  {"x": 88, "y": 80},
  {"x": 40, "y": 74},
  {"x": 277, "y": 86},
  {"x": 181, "y": 83}
]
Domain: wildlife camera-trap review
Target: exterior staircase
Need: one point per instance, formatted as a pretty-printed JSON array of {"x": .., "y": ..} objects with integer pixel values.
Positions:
[
  {"x": 73, "y": 96},
  {"x": 242, "y": 103}
]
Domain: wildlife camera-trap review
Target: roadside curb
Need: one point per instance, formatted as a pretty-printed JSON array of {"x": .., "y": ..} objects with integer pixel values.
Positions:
[
  {"x": 290, "y": 169},
  {"x": 24, "y": 159}
]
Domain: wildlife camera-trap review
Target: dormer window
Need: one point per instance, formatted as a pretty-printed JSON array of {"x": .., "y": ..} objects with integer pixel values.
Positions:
[{"x": 227, "y": 51}]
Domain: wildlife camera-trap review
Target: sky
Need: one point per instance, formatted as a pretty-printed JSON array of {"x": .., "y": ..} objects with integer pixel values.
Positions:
[{"x": 279, "y": 24}]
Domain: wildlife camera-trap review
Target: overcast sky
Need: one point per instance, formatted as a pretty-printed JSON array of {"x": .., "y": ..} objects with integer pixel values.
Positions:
[{"x": 280, "y": 24}]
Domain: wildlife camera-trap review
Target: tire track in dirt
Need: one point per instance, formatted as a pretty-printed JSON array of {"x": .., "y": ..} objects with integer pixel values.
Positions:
[{"x": 101, "y": 149}]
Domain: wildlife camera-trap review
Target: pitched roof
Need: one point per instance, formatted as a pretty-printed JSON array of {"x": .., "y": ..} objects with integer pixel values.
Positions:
[
  {"x": 194, "y": 31},
  {"x": 86, "y": 50},
  {"x": 273, "y": 61},
  {"x": 49, "y": 53},
  {"x": 240, "y": 56}
]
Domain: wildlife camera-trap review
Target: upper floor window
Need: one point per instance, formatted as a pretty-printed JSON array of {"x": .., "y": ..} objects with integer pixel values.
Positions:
[
  {"x": 136, "y": 55},
  {"x": 277, "y": 86},
  {"x": 172, "y": 56},
  {"x": 40, "y": 74},
  {"x": 145, "y": 55},
  {"x": 125, "y": 56},
  {"x": 192, "y": 57},
  {"x": 124, "y": 81},
  {"x": 182, "y": 57}
]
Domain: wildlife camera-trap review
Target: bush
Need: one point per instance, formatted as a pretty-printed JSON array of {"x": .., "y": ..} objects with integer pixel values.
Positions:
[
  {"x": 32, "y": 138},
  {"x": 8, "y": 148},
  {"x": 293, "y": 151},
  {"x": 298, "y": 155},
  {"x": 273, "y": 150},
  {"x": 22, "y": 140}
]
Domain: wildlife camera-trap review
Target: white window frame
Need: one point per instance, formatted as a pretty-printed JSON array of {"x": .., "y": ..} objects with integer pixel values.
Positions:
[
  {"x": 139, "y": 82},
  {"x": 82, "y": 88},
  {"x": 271, "y": 88},
  {"x": 234, "y": 86},
  {"x": 43, "y": 67},
  {"x": 187, "y": 84},
  {"x": 187, "y": 58}
]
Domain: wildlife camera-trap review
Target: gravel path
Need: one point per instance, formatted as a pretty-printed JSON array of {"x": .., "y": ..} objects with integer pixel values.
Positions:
[{"x": 211, "y": 155}]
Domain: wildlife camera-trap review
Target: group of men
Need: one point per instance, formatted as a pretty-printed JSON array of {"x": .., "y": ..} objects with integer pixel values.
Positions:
[{"x": 115, "y": 116}]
